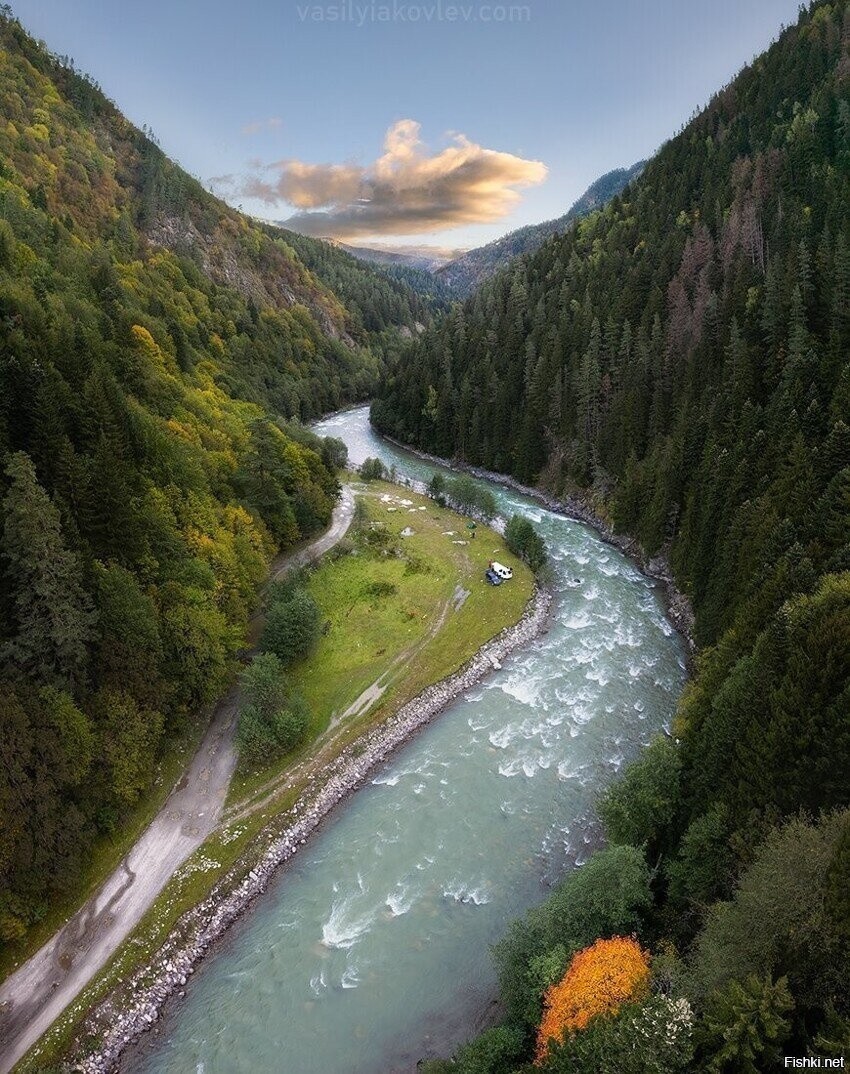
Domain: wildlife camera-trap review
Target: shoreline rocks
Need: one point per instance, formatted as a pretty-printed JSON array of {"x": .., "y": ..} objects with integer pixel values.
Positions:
[{"x": 135, "y": 1005}]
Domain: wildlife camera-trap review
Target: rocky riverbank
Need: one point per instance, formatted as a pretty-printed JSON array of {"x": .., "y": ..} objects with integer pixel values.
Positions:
[
  {"x": 136, "y": 1005},
  {"x": 677, "y": 604}
]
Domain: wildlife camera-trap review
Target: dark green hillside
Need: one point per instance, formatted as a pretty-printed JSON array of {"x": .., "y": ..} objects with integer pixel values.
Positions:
[
  {"x": 380, "y": 297},
  {"x": 461, "y": 276},
  {"x": 147, "y": 333},
  {"x": 682, "y": 358}
]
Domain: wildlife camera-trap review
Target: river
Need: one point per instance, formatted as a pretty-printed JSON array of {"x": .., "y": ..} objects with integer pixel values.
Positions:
[{"x": 371, "y": 949}]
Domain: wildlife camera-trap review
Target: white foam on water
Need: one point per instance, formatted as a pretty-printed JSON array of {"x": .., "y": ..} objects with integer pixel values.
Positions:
[
  {"x": 625, "y": 636},
  {"x": 521, "y": 689},
  {"x": 342, "y": 930},
  {"x": 465, "y": 894},
  {"x": 582, "y": 714},
  {"x": 387, "y": 781},
  {"x": 349, "y": 978},
  {"x": 502, "y": 738},
  {"x": 592, "y": 592},
  {"x": 568, "y": 770},
  {"x": 318, "y": 984},
  {"x": 398, "y": 902}
]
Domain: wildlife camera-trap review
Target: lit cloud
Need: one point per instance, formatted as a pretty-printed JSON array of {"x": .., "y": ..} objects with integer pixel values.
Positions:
[
  {"x": 407, "y": 190},
  {"x": 270, "y": 124}
]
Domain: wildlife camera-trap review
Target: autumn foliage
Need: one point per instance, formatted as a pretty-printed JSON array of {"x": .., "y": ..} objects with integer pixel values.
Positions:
[{"x": 598, "y": 980}]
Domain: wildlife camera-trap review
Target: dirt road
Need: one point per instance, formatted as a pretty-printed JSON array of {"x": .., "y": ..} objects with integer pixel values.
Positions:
[{"x": 37, "y": 993}]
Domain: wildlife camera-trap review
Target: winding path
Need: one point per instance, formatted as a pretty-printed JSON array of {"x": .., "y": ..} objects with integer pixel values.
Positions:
[{"x": 36, "y": 994}]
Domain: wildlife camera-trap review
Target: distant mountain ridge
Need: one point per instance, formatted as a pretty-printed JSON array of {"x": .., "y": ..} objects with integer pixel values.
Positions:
[
  {"x": 465, "y": 273},
  {"x": 427, "y": 258}
]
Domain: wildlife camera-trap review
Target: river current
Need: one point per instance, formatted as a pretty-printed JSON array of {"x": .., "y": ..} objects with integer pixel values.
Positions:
[{"x": 372, "y": 948}]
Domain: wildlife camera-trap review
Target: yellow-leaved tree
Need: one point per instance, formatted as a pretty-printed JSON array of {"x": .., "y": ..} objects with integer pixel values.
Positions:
[{"x": 599, "y": 979}]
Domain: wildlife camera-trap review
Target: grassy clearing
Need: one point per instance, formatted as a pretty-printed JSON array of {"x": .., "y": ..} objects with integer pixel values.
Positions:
[
  {"x": 392, "y": 614},
  {"x": 395, "y": 614}
]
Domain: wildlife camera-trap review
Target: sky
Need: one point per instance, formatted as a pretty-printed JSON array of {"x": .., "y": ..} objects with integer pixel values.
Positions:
[{"x": 424, "y": 122}]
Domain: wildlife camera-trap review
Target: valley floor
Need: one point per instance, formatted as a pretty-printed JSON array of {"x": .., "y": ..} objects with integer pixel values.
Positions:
[
  {"x": 397, "y": 621},
  {"x": 37, "y": 993}
]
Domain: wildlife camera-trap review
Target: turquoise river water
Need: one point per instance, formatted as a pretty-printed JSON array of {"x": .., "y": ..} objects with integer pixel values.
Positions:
[{"x": 371, "y": 949}]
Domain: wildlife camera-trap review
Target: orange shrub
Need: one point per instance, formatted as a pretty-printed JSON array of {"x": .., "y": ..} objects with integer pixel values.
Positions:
[{"x": 598, "y": 980}]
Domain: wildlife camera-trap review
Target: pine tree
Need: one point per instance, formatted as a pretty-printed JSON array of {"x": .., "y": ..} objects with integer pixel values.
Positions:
[{"x": 54, "y": 614}]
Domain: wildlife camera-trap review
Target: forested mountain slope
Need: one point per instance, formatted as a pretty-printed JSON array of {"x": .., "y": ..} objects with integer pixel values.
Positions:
[
  {"x": 379, "y": 296},
  {"x": 146, "y": 333},
  {"x": 683, "y": 357},
  {"x": 462, "y": 275}
]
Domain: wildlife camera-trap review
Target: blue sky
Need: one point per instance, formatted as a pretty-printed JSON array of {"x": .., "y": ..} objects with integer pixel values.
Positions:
[{"x": 519, "y": 107}]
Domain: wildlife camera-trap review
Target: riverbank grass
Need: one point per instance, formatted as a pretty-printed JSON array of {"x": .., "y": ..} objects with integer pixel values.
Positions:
[{"x": 404, "y": 603}]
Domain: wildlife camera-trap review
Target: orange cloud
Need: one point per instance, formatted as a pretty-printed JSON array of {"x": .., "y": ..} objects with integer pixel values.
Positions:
[{"x": 407, "y": 190}]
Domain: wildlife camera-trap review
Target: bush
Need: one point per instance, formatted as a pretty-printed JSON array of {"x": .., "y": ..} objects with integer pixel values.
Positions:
[
  {"x": 254, "y": 738},
  {"x": 495, "y": 1051},
  {"x": 264, "y": 682},
  {"x": 372, "y": 470},
  {"x": 524, "y": 541},
  {"x": 778, "y": 924},
  {"x": 334, "y": 453},
  {"x": 638, "y": 806},
  {"x": 468, "y": 497},
  {"x": 654, "y": 1037},
  {"x": 702, "y": 868},
  {"x": 274, "y": 720},
  {"x": 379, "y": 590},
  {"x": 437, "y": 487},
  {"x": 606, "y": 897},
  {"x": 292, "y": 627},
  {"x": 290, "y": 724}
]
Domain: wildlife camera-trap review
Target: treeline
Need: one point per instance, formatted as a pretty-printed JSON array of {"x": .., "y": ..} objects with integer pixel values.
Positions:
[
  {"x": 681, "y": 357},
  {"x": 144, "y": 487},
  {"x": 464, "y": 274}
]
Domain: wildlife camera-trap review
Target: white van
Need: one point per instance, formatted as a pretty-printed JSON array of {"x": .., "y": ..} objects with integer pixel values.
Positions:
[{"x": 502, "y": 571}]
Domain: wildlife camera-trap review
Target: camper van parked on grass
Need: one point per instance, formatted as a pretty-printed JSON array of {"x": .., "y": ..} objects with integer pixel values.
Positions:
[{"x": 502, "y": 571}]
